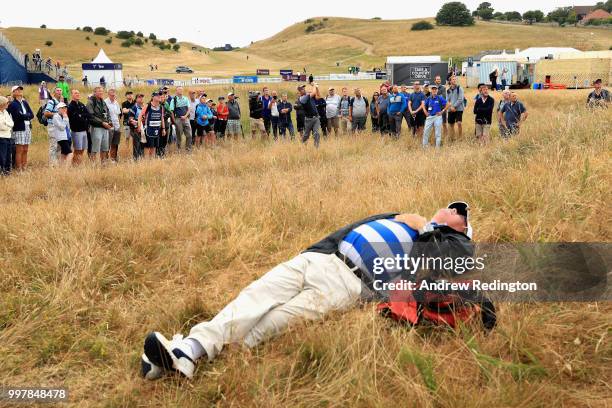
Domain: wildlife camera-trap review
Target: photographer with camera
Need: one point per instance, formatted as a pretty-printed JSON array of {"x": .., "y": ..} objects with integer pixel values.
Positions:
[{"x": 256, "y": 108}]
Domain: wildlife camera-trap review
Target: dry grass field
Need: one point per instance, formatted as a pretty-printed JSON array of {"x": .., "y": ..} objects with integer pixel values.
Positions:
[
  {"x": 93, "y": 258},
  {"x": 340, "y": 40}
]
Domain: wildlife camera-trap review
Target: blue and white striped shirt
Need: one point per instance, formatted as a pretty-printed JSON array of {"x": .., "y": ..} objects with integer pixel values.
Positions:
[{"x": 378, "y": 239}]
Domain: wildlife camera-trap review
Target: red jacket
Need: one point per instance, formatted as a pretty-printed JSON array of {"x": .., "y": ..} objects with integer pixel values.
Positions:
[{"x": 222, "y": 111}]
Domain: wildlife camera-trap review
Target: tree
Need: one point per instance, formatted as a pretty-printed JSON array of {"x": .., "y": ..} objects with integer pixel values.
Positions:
[
  {"x": 513, "y": 16},
  {"x": 572, "y": 18},
  {"x": 139, "y": 34},
  {"x": 88, "y": 29},
  {"x": 108, "y": 40},
  {"x": 124, "y": 35},
  {"x": 126, "y": 44},
  {"x": 422, "y": 25},
  {"x": 152, "y": 37},
  {"x": 533, "y": 16},
  {"x": 138, "y": 42},
  {"x": 176, "y": 47},
  {"x": 560, "y": 14},
  {"x": 485, "y": 11},
  {"x": 498, "y": 16},
  {"x": 43, "y": 26},
  {"x": 101, "y": 31},
  {"x": 454, "y": 13},
  {"x": 48, "y": 43},
  {"x": 172, "y": 40},
  {"x": 607, "y": 6}
]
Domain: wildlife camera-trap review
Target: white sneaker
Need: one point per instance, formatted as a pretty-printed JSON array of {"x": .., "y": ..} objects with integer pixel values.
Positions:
[
  {"x": 149, "y": 370},
  {"x": 169, "y": 355}
]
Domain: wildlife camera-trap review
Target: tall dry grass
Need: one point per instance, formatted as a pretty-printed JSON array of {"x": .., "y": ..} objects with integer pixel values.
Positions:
[{"x": 93, "y": 258}]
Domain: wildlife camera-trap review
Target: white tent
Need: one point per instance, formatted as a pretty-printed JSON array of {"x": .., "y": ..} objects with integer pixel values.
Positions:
[
  {"x": 413, "y": 59},
  {"x": 532, "y": 54},
  {"x": 103, "y": 67}
]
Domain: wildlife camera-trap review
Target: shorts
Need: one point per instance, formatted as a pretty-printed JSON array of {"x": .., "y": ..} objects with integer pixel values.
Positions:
[
  {"x": 64, "y": 147},
  {"x": 114, "y": 137},
  {"x": 152, "y": 142},
  {"x": 233, "y": 127},
  {"x": 418, "y": 120},
  {"x": 257, "y": 124},
  {"x": 444, "y": 117},
  {"x": 482, "y": 130},
  {"x": 99, "y": 140},
  {"x": 23, "y": 137},
  {"x": 79, "y": 140},
  {"x": 333, "y": 122},
  {"x": 202, "y": 130},
  {"x": 455, "y": 117}
]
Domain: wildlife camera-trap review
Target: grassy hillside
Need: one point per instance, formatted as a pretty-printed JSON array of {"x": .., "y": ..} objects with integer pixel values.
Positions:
[
  {"x": 339, "y": 40},
  {"x": 100, "y": 256}
]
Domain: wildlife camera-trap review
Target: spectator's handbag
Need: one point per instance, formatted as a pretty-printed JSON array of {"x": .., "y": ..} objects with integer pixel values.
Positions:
[{"x": 143, "y": 135}]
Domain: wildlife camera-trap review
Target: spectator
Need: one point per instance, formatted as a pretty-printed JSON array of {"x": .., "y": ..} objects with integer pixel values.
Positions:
[
  {"x": 85, "y": 81},
  {"x": 50, "y": 110},
  {"x": 79, "y": 118},
  {"x": 266, "y": 112},
  {"x": 311, "y": 116},
  {"x": 383, "y": 105},
  {"x": 426, "y": 90},
  {"x": 6, "y": 127},
  {"x": 103, "y": 82},
  {"x": 310, "y": 78},
  {"x": 43, "y": 94},
  {"x": 61, "y": 128},
  {"x": 284, "y": 120},
  {"x": 203, "y": 115},
  {"x": 180, "y": 108},
  {"x": 151, "y": 119},
  {"x": 321, "y": 110},
  {"x": 274, "y": 114},
  {"x": 222, "y": 116},
  {"x": 442, "y": 93},
  {"x": 407, "y": 117},
  {"x": 332, "y": 110},
  {"x": 63, "y": 85},
  {"x": 358, "y": 111},
  {"x": 493, "y": 78},
  {"x": 193, "y": 103},
  {"x": 503, "y": 131},
  {"x": 256, "y": 115},
  {"x": 300, "y": 116},
  {"x": 374, "y": 112},
  {"x": 345, "y": 123},
  {"x": 213, "y": 121},
  {"x": 126, "y": 107},
  {"x": 114, "y": 134},
  {"x": 483, "y": 109},
  {"x": 234, "y": 127},
  {"x": 514, "y": 115},
  {"x": 100, "y": 125},
  {"x": 209, "y": 137},
  {"x": 416, "y": 106},
  {"x": 133, "y": 115},
  {"x": 160, "y": 151},
  {"x": 599, "y": 97},
  {"x": 504, "y": 78},
  {"x": 456, "y": 106},
  {"x": 435, "y": 106},
  {"x": 22, "y": 116},
  {"x": 395, "y": 110}
]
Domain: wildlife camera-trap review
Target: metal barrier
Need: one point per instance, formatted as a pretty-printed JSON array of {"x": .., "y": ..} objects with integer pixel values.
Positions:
[{"x": 10, "y": 47}]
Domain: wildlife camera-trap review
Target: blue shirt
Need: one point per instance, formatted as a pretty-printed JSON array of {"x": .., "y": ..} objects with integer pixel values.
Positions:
[
  {"x": 415, "y": 100},
  {"x": 397, "y": 103},
  {"x": 435, "y": 104},
  {"x": 266, "y": 113},
  {"x": 203, "y": 113},
  {"x": 378, "y": 239},
  {"x": 512, "y": 112}
]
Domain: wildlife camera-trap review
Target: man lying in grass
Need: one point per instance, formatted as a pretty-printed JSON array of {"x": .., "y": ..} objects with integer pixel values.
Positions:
[{"x": 333, "y": 274}]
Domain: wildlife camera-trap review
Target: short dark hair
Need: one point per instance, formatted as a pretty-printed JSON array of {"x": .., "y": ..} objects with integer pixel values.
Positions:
[
  {"x": 480, "y": 84},
  {"x": 129, "y": 93}
]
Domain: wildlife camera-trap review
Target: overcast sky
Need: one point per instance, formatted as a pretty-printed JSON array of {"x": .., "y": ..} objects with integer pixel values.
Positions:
[{"x": 210, "y": 24}]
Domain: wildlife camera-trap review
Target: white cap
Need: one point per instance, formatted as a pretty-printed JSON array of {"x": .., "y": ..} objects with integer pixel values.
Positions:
[
  {"x": 61, "y": 105},
  {"x": 13, "y": 89}
]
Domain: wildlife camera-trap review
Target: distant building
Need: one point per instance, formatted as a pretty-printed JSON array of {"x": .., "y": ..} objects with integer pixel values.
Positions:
[
  {"x": 598, "y": 14},
  {"x": 582, "y": 11}
]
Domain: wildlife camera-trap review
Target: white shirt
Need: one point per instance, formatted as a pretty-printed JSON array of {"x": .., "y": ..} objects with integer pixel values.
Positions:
[
  {"x": 115, "y": 110},
  {"x": 6, "y": 124},
  {"x": 274, "y": 109},
  {"x": 333, "y": 103},
  {"x": 192, "y": 108}
]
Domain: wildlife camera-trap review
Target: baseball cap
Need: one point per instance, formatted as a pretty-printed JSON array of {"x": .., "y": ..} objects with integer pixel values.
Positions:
[
  {"x": 221, "y": 97},
  {"x": 230, "y": 94},
  {"x": 209, "y": 100},
  {"x": 432, "y": 86},
  {"x": 61, "y": 105},
  {"x": 301, "y": 87},
  {"x": 463, "y": 208},
  {"x": 13, "y": 89},
  {"x": 155, "y": 93},
  {"x": 331, "y": 88}
]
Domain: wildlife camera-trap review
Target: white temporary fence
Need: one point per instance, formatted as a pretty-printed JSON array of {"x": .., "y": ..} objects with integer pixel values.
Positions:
[{"x": 10, "y": 47}]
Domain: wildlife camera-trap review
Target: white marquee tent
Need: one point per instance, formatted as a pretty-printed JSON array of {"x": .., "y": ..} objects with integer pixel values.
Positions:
[{"x": 103, "y": 67}]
